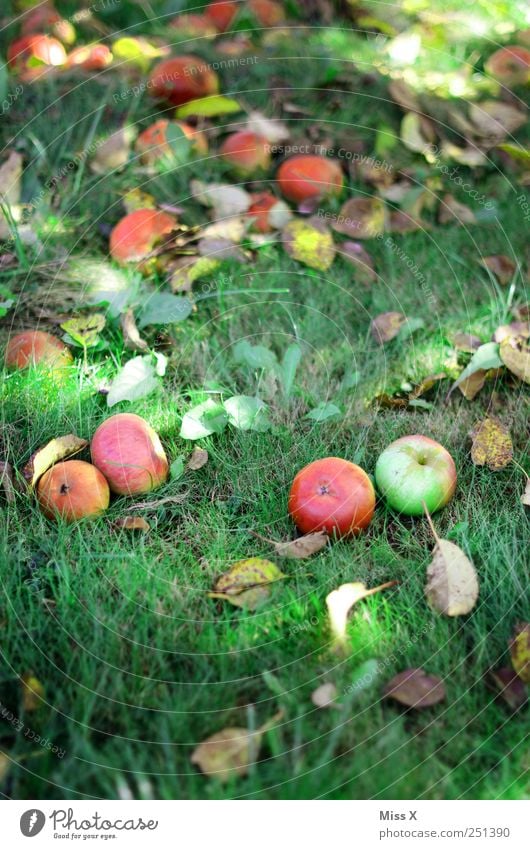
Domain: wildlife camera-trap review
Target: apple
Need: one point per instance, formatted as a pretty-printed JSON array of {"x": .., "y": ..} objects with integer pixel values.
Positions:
[
  {"x": 510, "y": 65},
  {"x": 136, "y": 234},
  {"x": 221, "y": 13},
  {"x": 127, "y": 450},
  {"x": 267, "y": 12},
  {"x": 90, "y": 57},
  {"x": 246, "y": 152},
  {"x": 35, "y": 347},
  {"x": 413, "y": 470},
  {"x": 73, "y": 490},
  {"x": 182, "y": 79},
  {"x": 260, "y": 208},
  {"x": 309, "y": 176},
  {"x": 194, "y": 26},
  {"x": 152, "y": 143},
  {"x": 333, "y": 495},
  {"x": 30, "y": 54}
]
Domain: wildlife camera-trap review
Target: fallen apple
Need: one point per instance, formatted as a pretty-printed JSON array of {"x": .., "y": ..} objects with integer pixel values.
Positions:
[
  {"x": 90, "y": 57},
  {"x": 152, "y": 143},
  {"x": 221, "y": 13},
  {"x": 35, "y": 347},
  {"x": 136, "y": 234},
  {"x": 29, "y": 55},
  {"x": 415, "y": 470},
  {"x": 510, "y": 65},
  {"x": 127, "y": 450},
  {"x": 182, "y": 79},
  {"x": 267, "y": 12},
  {"x": 73, "y": 490},
  {"x": 259, "y": 209},
  {"x": 246, "y": 152},
  {"x": 309, "y": 176},
  {"x": 332, "y": 495}
]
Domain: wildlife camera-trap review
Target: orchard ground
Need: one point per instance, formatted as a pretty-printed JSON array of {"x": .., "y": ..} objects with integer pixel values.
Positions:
[{"x": 138, "y": 665}]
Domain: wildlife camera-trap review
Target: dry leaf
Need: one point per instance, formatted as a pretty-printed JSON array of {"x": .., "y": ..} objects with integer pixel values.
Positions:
[
  {"x": 154, "y": 505},
  {"x": 198, "y": 459},
  {"x": 113, "y": 153},
  {"x": 53, "y": 452},
  {"x": 32, "y": 692},
  {"x": 340, "y": 601},
  {"x": 516, "y": 331},
  {"x": 525, "y": 497},
  {"x": 247, "y": 583},
  {"x": 414, "y": 688},
  {"x": 6, "y": 481},
  {"x": 501, "y": 266},
  {"x": 516, "y": 358},
  {"x": 298, "y": 549},
  {"x": 361, "y": 218},
  {"x": 309, "y": 242},
  {"x": 268, "y": 128},
  {"x": 361, "y": 259},
  {"x": 466, "y": 342},
  {"x": 386, "y": 326},
  {"x": 324, "y": 696},
  {"x": 226, "y": 200},
  {"x": 520, "y": 651},
  {"x": 220, "y": 248},
  {"x": 132, "y": 523},
  {"x": 452, "y": 583},
  {"x": 492, "y": 444},
  {"x": 230, "y": 752},
  {"x": 494, "y": 119},
  {"x": 511, "y": 689},
  {"x": 131, "y": 335},
  {"x": 471, "y": 386},
  {"x": 451, "y": 211}
]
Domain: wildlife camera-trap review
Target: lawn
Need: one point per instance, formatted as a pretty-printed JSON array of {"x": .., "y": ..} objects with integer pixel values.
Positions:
[{"x": 136, "y": 664}]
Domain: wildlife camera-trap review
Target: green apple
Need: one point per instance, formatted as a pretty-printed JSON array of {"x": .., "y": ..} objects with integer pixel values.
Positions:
[{"x": 415, "y": 470}]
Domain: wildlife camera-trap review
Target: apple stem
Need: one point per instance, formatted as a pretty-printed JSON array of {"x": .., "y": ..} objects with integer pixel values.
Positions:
[
  {"x": 263, "y": 539},
  {"x": 384, "y": 586},
  {"x": 433, "y": 529}
]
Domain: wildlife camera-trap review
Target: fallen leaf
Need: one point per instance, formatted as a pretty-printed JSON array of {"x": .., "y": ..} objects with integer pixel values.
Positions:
[
  {"x": 361, "y": 218},
  {"x": 323, "y": 411},
  {"x": 198, "y": 459},
  {"x": 298, "y": 549},
  {"x": 154, "y": 505},
  {"x": 452, "y": 583},
  {"x": 32, "y": 692},
  {"x": 221, "y": 249},
  {"x": 494, "y": 119},
  {"x": 309, "y": 242},
  {"x": 131, "y": 334},
  {"x": 226, "y": 200},
  {"x": 113, "y": 153},
  {"x": 230, "y": 752},
  {"x": 471, "y": 386},
  {"x": 10, "y": 191},
  {"x": 501, "y": 266},
  {"x": 164, "y": 308},
  {"x": 414, "y": 688},
  {"x": 426, "y": 384},
  {"x": 525, "y": 497},
  {"x": 247, "y": 583},
  {"x": 416, "y": 132},
  {"x": 516, "y": 358},
  {"x": 325, "y": 696},
  {"x": 53, "y": 452},
  {"x": 451, "y": 211},
  {"x": 486, "y": 357},
  {"x": 340, "y": 601},
  {"x": 520, "y": 651},
  {"x": 268, "y": 128},
  {"x": 206, "y": 418},
  {"x": 492, "y": 444},
  {"x": 360, "y": 258},
  {"x": 516, "y": 330},
  {"x": 209, "y": 107},
  {"x": 247, "y": 412},
  {"x": 511, "y": 689},
  {"x": 386, "y": 326},
  {"x": 85, "y": 330},
  {"x": 466, "y": 342},
  {"x": 135, "y": 380},
  {"x": 6, "y": 481},
  {"x": 132, "y": 523},
  {"x": 138, "y": 199}
]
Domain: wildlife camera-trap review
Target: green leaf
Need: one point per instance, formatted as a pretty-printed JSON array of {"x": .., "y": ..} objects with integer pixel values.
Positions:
[
  {"x": 247, "y": 412},
  {"x": 179, "y": 142},
  {"x": 290, "y": 362},
  {"x": 135, "y": 380},
  {"x": 324, "y": 411},
  {"x": 164, "y": 308},
  {"x": 247, "y": 583},
  {"x": 209, "y": 107},
  {"x": 84, "y": 331},
  {"x": 254, "y": 356},
  {"x": 484, "y": 358},
  {"x": 177, "y": 468},
  {"x": 203, "y": 420}
]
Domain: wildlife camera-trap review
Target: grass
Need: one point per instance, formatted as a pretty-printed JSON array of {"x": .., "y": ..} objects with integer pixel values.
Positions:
[{"x": 138, "y": 664}]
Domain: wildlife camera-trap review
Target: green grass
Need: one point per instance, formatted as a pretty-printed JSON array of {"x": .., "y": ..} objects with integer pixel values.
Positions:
[{"x": 138, "y": 664}]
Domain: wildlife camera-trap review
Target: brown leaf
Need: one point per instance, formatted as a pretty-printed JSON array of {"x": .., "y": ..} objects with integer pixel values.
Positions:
[
  {"x": 516, "y": 358},
  {"x": 113, "y": 153},
  {"x": 426, "y": 384},
  {"x": 230, "y": 752},
  {"x": 494, "y": 119},
  {"x": 355, "y": 253},
  {"x": 57, "y": 449},
  {"x": 466, "y": 342},
  {"x": 520, "y": 651},
  {"x": 32, "y": 692},
  {"x": 414, "y": 688},
  {"x": 325, "y": 696},
  {"x": 309, "y": 242},
  {"x": 511, "y": 689},
  {"x": 6, "y": 481},
  {"x": 198, "y": 459},
  {"x": 471, "y": 386},
  {"x": 299, "y": 549},
  {"x": 221, "y": 249},
  {"x": 452, "y": 583},
  {"x": 386, "y": 326},
  {"x": 501, "y": 266},
  {"x": 247, "y": 583},
  {"x": 492, "y": 444},
  {"x": 516, "y": 331},
  {"x": 452, "y": 211},
  {"x": 131, "y": 334},
  {"x": 132, "y": 523},
  {"x": 402, "y": 222},
  {"x": 361, "y": 218}
]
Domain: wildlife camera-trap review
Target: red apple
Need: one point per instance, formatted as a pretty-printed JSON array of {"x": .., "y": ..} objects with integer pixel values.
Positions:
[
  {"x": 35, "y": 347},
  {"x": 510, "y": 65},
  {"x": 182, "y": 79},
  {"x": 31, "y": 53},
  {"x": 221, "y": 13},
  {"x": 135, "y": 236},
  {"x": 259, "y": 209},
  {"x": 413, "y": 470},
  {"x": 152, "y": 143},
  {"x": 309, "y": 176},
  {"x": 73, "y": 490},
  {"x": 333, "y": 495},
  {"x": 246, "y": 152},
  {"x": 90, "y": 57},
  {"x": 267, "y": 12},
  {"x": 127, "y": 450}
]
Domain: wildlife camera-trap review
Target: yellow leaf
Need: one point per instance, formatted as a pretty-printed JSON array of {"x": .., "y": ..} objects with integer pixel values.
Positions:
[
  {"x": 361, "y": 218},
  {"x": 138, "y": 199},
  {"x": 85, "y": 330},
  {"x": 452, "y": 583},
  {"x": 340, "y": 601},
  {"x": 53, "y": 452},
  {"x": 230, "y": 752},
  {"x": 247, "y": 583},
  {"x": 32, "y": 692},
  {"x": 309, "y": 242},
  {"x": 209, "y": 107},
  {"x": 516, "y": 358},
  {"x": 492, "y": 444},
  {"x": 520, "y": 651}
]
